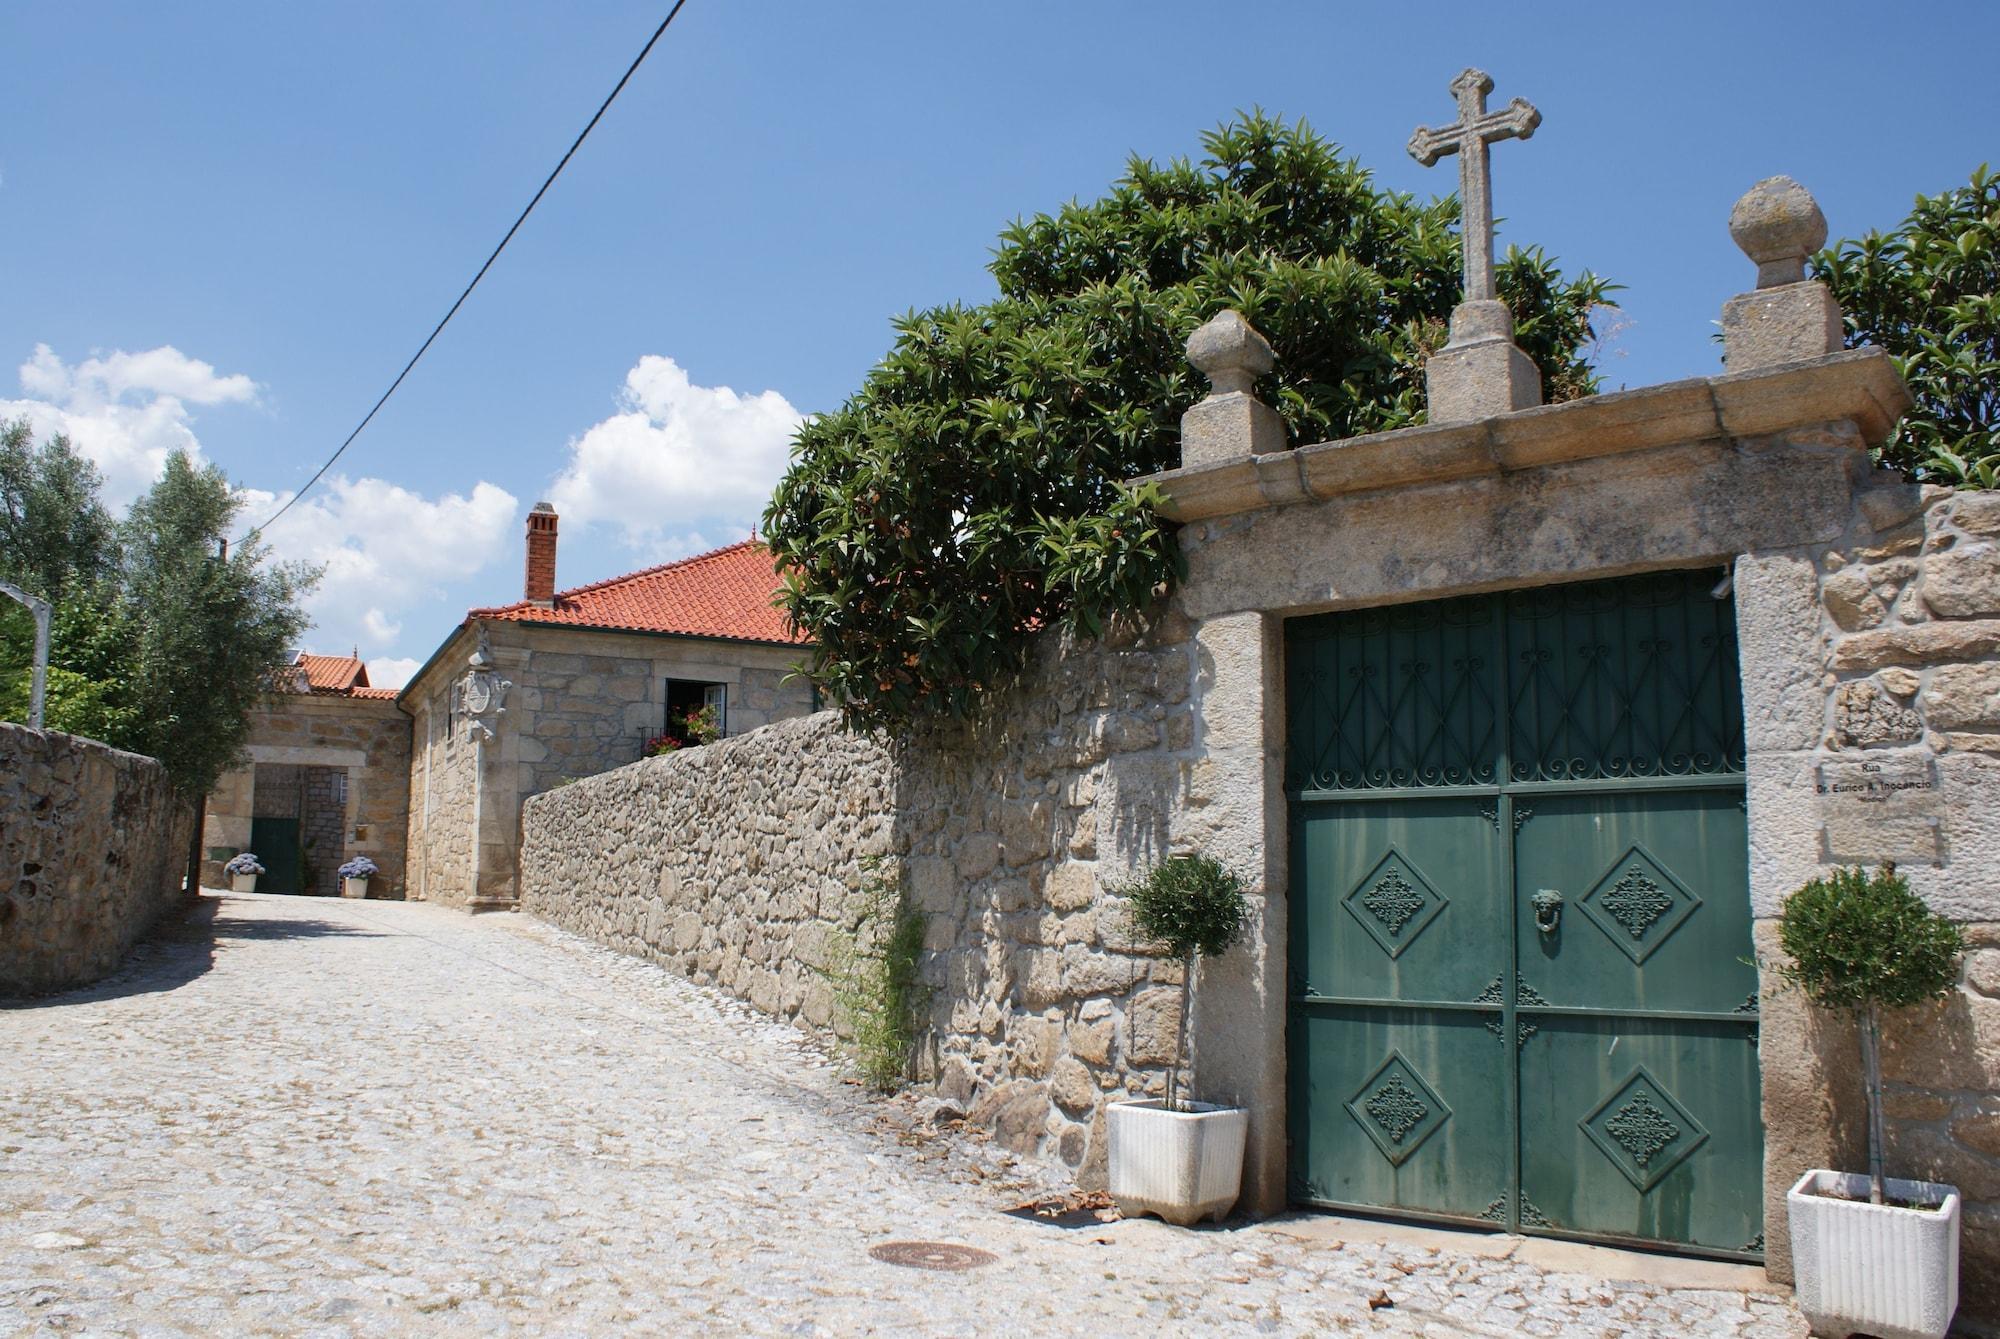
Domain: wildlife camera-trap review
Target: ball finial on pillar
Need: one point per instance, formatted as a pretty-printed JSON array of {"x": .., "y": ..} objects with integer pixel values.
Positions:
[
  {"x": 1230, "y": 421},
  {"x": 1778, "y": 224},
  {"x": 1787, "y": 318},
  {"x": 1230, "y": 352}
]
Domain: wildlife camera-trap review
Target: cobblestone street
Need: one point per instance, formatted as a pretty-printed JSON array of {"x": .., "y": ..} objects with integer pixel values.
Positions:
[{"x": 317, "y": 1117}]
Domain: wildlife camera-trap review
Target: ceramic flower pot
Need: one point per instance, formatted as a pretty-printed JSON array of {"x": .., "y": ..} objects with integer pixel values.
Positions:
[
  {"x": 1876, "y": 1268},
  {"x": 1183, "y": 1166},
  {"x": 354, "y": 887},
  {"x": 243, "y": 883}
]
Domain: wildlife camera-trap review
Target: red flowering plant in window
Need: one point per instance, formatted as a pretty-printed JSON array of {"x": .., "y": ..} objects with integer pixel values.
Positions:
[{"x": 691, "y": 729}]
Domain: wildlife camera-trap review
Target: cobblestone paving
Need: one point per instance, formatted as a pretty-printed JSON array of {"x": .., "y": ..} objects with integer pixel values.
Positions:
[{"x": 318, "y": 1117}]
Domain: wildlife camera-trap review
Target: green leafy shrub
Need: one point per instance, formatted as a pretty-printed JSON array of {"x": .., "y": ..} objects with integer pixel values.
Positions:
[
  {"x": 1862, "y": 944},
  {"x": 1929, "y": 293},
  {"x": 878, "y": 987},
  {"x": 1192, "y": 907},
  {"x": 971, "y": 496}
]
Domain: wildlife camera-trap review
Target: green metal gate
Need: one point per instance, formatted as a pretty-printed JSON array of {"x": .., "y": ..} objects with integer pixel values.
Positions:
[{"x": 1520, "y": 925}]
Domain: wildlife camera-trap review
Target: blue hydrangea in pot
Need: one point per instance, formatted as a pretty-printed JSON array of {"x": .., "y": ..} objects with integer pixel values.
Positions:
[
  {"x": 243, "y": 869},
  {"x": 354, "y": 876}
]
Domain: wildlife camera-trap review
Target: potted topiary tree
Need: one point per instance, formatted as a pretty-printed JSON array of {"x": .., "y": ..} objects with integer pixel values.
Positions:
[
  {"x": 243, "y": 869},
  {"x": 1181, "y": 1159},
  {"x": 1871, "y": 1253},
  {"x": 354, "y": 876}
]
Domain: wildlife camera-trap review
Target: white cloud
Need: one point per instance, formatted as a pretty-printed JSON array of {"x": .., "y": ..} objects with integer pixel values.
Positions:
[
  {"x": 676, "y": 457},
  {"x": 391, "y": 671},
  {"x": 125, "y": 411},
  {"x": 384, "y": 549}
]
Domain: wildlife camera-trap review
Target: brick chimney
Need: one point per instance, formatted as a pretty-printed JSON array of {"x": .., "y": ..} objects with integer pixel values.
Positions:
[{"x": 541, "y": 583}]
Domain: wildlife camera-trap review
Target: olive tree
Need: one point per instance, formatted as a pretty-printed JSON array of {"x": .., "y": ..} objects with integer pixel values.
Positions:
[{"x": 1863, "y": 944}]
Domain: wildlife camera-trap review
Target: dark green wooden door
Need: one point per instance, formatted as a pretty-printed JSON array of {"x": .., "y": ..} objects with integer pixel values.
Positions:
[
  {"x": 276, "y": 843},
  {"x": 1520, "y": 914}
]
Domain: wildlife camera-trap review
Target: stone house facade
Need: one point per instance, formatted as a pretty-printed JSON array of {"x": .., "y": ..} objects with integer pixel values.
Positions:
[
  {"x": 428, "y": 782},
  {"x": 526, "y": 697},
  {"x": 1836, "y": 636},
  {"x": 325, "y": 779}
]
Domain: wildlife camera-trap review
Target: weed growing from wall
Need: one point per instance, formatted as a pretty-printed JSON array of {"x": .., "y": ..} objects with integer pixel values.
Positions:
[{"x": 877, "y": 982}]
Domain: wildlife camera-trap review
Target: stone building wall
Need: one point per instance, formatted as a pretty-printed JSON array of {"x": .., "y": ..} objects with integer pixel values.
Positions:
[
  {"x": 1902, "y": 618},
  {"x": 323, "y": 828},
  {"x": 93, "y": 851},
  {"x": 443, "y": 822},
  {"x": 295, "y": 738},
  {"x": 582, "y": 702}
]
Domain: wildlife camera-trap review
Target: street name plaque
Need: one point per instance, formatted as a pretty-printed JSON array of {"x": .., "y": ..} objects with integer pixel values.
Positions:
[{"x": 1878, "y": 809}]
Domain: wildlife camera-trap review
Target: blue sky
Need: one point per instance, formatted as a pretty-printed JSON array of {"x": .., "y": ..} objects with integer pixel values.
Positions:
[{"x": 227, "y": 225}]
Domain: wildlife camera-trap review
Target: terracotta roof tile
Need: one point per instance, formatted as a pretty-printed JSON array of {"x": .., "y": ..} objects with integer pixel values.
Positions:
[
  {"x": 382, "y": 693},
  {"x": 332, "y": 674},
  {"x": 727, "y": 593}
]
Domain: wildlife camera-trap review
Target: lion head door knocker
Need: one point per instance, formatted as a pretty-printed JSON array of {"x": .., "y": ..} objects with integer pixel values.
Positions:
[{"x": 1548, "y": 905}]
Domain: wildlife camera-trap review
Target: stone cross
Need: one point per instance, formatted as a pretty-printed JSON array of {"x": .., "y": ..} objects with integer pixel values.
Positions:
[{"x": 1469, "y": 138}]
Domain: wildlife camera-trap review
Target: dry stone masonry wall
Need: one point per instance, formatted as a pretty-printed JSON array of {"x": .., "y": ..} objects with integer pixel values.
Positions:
[
  {"x": 739, "y": 863},
  {"x": 733, "y": 865},
  {"x": 93, "y": 849},
  {"x": 1020, "y": 837},
  {"x": 1912, "y": 630}
]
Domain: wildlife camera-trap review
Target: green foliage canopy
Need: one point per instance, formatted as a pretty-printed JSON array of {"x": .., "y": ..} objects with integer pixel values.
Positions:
[
  {"x": 1858, "y": 941},
  {"x": 1929, "y": 293},
  {"x": 972, "y": 494},
  {"x": 54, "y": 533},
  {"x": 158, "y": 643},
  {"x": 1189, "y": 904}
]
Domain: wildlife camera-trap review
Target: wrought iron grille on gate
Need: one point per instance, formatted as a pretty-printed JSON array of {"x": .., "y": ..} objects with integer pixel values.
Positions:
[{"x": 1609, "y": 679}]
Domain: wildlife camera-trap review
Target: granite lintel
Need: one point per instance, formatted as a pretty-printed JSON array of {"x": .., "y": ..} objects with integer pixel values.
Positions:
[{"x": 1856, "y": 385}]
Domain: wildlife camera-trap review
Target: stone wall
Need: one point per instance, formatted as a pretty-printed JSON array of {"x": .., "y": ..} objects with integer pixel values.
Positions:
[
  {"x": 583, "y": 701},
  {"x": 1903, "y": 619},
  {"x": 298, "y": 741},
  {"x": 732, "y": 864},
  {"x": 1015, "y": 838},
  {"x": 93, "y": 851},
  {"x": 443, "y": 806}
]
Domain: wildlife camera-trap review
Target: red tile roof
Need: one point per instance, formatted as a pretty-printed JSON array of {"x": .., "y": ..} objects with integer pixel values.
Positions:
[
  {"x": 726, "y": 593},
  {"x": 332, "y": 674},
  {"x": 328, "y": 676}
]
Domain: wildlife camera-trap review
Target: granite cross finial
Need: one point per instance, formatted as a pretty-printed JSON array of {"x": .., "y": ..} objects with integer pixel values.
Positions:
[{"x": 1469, "y": 138}]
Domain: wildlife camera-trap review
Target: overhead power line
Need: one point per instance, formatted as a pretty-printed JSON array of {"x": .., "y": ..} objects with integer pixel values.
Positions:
[{"x": 438, "y": 329}]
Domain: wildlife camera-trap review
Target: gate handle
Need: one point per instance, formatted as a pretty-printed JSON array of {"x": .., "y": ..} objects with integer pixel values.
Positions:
[{"x": 1548, "y": 905}]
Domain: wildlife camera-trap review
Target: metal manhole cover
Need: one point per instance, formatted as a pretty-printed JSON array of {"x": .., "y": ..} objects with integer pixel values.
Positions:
[{"x": 931, "y": 1255}]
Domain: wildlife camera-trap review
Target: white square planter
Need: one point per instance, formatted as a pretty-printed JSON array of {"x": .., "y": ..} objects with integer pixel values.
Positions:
[
  {"x": 243, "y": 883},
  {"x": 354, "y": 887},
  {"x": 1875, "y": 1268},
  {"x": 1182, "y": 1165}
]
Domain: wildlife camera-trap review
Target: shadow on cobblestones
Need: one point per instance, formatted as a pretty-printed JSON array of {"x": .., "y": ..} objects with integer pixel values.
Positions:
[{"x": 182, "y": 947}]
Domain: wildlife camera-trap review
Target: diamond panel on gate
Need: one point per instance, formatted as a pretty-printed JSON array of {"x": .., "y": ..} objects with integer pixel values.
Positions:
[
  {"x": 1638, "y": 904},
  {"x": 1642, "y": 1130},
  {"x": 1397, "y": 1109},
  {"x": 1394, "y": 903}
]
